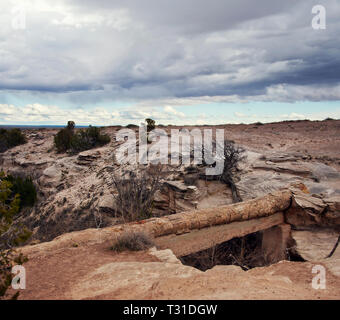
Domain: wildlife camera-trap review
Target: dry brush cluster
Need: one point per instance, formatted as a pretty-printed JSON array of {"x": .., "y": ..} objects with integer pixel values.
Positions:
[{"x": 135, "y": 191}]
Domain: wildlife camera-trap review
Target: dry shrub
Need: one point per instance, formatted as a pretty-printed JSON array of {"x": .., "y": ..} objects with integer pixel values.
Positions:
[
  {"x": 233, "y": 155},
  {"x": 133, "y": 241},
  {"x": 244, "y": 252},
  {"x": 135, "y": 192}
]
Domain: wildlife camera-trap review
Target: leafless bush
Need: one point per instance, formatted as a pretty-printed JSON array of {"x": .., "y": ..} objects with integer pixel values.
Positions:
[
  {"x": 136, "y": 191},
  {"x": 232, "y": 155},
  {"x": 132, "y": 241}
]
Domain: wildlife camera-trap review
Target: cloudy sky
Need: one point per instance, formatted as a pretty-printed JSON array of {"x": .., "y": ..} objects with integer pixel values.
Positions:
[{"x": 109, "y": 62}]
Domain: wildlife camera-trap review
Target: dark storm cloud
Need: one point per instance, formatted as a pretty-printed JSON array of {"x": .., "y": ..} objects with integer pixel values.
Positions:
[
  {"x": 138, "y": 49},
  {"x": 192, "y": 15}
]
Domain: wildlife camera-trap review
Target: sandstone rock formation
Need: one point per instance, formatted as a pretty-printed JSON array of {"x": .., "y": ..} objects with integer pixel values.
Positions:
[
  {"x": 75, "y": 191},
  {"x": 290, "y": 179}
]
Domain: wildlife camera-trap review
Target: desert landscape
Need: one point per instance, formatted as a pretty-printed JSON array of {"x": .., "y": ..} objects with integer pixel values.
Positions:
[
  {"x": 287, "y": 221},
  {"x": 155, "y": 151}
]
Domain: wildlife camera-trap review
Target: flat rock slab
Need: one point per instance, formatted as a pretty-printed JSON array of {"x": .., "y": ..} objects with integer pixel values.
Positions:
[{"x": 94, "y": 272}]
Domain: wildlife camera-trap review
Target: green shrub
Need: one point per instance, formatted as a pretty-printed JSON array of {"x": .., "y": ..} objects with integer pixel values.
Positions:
[
  {"x": 71, "y": 125},
  {"x": 132, "y": 126},
  {"x": 69, "y": 140},
  {"x": 62, "y": 140},
  {"x": 87, "y": 139},
  {"x": 11, "y": 138},
  {"x": 25, "y": 188},
  {"x": 151, "y": 124},
  {"x": 132, "y": 241},
  {"x": 9, "y": 208}
]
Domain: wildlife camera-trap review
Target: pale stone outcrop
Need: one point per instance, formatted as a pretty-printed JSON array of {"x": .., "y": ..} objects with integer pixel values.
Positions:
[
  {"x": 311, "y": 210},
  {"x": 79, "y": 264},
  {"x": 76, "y": 191},
  {"x": 316, "y": 245}
]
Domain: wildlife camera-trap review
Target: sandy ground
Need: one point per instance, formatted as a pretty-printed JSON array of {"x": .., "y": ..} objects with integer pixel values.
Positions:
[
  {"x": 51, "y": 276},
  {"x": 95, "y": 272},
  {"x": 319, "y": 139}
]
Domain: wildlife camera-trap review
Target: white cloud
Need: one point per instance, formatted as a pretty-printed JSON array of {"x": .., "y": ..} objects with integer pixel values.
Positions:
[
  {"x": 162, "y": 56},
  {"x": 293, "y": 116},
  {"x": 45, "y": 114},
  {"x": 240, "y": 115},
  {"x": 172, "y": 111}
]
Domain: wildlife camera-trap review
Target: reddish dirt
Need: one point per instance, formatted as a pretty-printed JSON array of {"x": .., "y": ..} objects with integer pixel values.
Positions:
[
  {"x": 49, "y": 277},
  {"x": 54, "y": 276}
]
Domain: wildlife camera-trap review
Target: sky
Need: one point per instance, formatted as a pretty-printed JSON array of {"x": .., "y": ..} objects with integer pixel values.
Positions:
[{"x": 116, "y": 62}]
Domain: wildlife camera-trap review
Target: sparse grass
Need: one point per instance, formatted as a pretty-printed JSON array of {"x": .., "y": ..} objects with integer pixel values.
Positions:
[{"x": 133, "y": 241}]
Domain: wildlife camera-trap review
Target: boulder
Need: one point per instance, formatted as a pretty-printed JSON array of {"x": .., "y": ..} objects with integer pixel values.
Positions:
[
  {"x": 87, "y": 158},
  {"x": 178, "y": 186},
  {"x": 52, "y": 172},
  {"x": 308, "y": 211},
  {"x": 314, "y": 245},
  {"x": 106, "y": 203}
]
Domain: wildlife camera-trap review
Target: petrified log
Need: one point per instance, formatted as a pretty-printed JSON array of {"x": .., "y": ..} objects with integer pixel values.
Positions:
[{"x": 173, "y": 224}]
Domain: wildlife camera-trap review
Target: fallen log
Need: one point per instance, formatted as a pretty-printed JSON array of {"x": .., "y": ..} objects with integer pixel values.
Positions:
[{"x": 179, "y": 223}]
